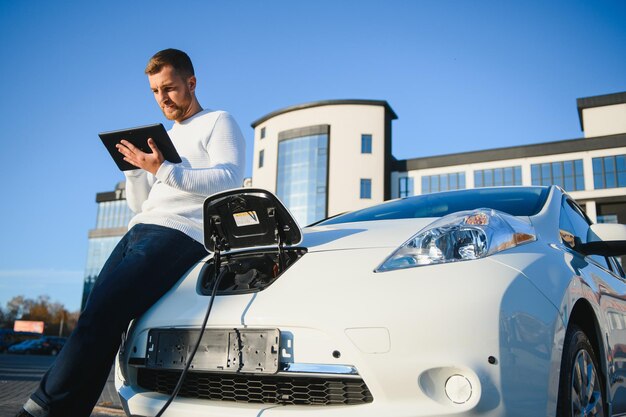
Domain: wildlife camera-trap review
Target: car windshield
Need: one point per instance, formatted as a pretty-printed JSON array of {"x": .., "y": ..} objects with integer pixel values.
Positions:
[{"x": 517, "y": 201}]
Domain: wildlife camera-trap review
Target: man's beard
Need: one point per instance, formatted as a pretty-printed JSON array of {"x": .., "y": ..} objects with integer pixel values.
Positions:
[
  {"x": 176, "y": 112},
  {"x": 173, "y": 113}
]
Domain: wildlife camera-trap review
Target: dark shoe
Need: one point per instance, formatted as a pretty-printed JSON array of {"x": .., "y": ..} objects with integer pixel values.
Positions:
[{"x": 23, "y": 413}]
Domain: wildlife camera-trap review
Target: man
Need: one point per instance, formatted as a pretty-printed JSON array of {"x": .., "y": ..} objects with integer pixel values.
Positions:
[{"x": 164, "y": 240}]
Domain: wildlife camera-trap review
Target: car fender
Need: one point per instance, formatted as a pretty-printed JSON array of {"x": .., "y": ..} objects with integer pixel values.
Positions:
[{"x": 571, "y": 291}]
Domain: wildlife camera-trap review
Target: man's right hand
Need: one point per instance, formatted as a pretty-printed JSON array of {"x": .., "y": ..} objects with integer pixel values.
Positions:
[{"x": 150, "y": 162}]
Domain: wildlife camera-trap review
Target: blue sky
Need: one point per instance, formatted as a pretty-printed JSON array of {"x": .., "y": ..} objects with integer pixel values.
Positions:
[{"x": 461, "y": 75}]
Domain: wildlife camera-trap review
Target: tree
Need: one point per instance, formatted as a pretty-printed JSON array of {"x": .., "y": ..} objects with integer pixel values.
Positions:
[
  {"x": 39, "y": 310},
  {"x": 3, "y": 318},
  {"x": 15, "y": 306},
  {"x": 58, "y": 321}
]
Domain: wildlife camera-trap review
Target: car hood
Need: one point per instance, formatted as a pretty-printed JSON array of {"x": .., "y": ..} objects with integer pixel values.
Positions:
[{"x": 371, "y": 234}]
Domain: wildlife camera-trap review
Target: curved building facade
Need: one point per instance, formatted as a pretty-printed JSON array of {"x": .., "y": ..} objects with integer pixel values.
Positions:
[{"x": 298, "y": 149}]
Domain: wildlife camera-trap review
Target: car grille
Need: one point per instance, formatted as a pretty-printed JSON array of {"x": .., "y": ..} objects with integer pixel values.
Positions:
[{"x": 272, "y": 389}]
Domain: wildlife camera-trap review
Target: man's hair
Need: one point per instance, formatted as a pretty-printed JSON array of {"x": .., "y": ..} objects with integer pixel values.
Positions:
[{"x": 179, "y": 60}]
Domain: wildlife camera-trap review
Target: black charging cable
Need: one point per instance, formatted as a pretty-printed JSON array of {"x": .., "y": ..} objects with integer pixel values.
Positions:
[{"x": 218, "y": 278}]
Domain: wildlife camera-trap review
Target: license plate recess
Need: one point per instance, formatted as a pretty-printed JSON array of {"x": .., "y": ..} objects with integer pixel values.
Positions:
[{"x": 220, "y": 350}]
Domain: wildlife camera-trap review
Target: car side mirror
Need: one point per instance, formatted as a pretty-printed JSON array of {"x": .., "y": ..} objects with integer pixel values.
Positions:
[{"x": 605, "y": 239}]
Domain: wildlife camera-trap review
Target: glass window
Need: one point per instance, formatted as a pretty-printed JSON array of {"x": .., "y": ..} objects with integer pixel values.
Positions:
[
  {"x": 598, "y": 173},
  {"x": 262, "y": 133},
  {"x": 578, "y": 174},
  {"x": 557, "y": 173},
  {"x": 608, "y": 218},
  {"x": 99, "y": 217},
  {"x": 454, "y": 182},
  {"x": 609, "y": 172},
  {"x": 425, "y": 185},
  {"x": 434, "y": 183},
  {"x": 509, "y": 177},
  {"x": 545, "y": 174},
  {"x": 366, "y": 188},
  {"x": 478, "y": 179},
  {"x": 366, "y": 143},
  {"x": 443, "y": 182},
  {"x": 621, "y": 170},
  {"x": 302, "y": 176},
  {"x": 573, "y": 220},
  {"x": 488, "y": 174},
  {"x": 534, "y": 173},
  {"x": 574, "y": 226},
  {"x": 113, "y": 214},
  {"x": 405, "y": 187},
  {"x": 261, "y": 158},
  {"x": 498, "y": 177},
  {"x": 566, "y": 174}
]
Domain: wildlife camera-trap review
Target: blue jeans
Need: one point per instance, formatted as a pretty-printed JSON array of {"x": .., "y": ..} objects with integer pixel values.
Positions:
[{"x": 144, "y": 265}]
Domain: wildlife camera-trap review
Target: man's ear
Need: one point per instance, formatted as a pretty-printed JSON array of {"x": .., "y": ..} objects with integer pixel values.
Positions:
[{"x": 191, "y": 83}]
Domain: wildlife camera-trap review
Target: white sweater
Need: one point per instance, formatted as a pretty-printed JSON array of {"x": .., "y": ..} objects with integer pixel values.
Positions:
[{"x": 212, "y": 150}]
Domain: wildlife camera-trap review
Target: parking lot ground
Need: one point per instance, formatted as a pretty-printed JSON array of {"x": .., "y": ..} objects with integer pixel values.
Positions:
[{"x": 20, "y": 375}]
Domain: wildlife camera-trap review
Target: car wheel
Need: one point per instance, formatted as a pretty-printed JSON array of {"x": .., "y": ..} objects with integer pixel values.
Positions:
[{"x": 581, "y": 390}]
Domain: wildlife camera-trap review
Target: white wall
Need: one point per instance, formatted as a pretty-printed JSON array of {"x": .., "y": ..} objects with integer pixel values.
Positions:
[{"x": 605, "y": 120}]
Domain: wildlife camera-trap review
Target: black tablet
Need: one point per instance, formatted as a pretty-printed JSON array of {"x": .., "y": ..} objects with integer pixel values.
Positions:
[{"x": 139, "y": 136}]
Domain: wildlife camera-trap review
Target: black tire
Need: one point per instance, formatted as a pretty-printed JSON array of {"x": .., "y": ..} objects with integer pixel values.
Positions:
[{"x": 581, "y": 387}]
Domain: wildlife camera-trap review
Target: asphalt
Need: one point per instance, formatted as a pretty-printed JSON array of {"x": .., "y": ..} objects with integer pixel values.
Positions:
[{"x": 15, "y": 388}]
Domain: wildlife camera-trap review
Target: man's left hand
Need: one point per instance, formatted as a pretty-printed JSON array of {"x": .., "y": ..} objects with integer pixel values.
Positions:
[{"x": 150, "y": 162}]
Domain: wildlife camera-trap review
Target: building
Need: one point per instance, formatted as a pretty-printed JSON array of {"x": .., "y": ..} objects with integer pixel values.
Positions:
[
  {"x": 327, "y": 157},
  {"x": 111, "y": 224}
]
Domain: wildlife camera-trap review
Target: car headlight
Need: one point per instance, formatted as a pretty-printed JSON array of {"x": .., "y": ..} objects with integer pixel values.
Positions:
[{"x": 460, "y": 236}]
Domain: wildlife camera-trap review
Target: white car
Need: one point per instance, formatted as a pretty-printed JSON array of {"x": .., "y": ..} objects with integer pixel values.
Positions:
[{"x": 484, "y": 302}]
